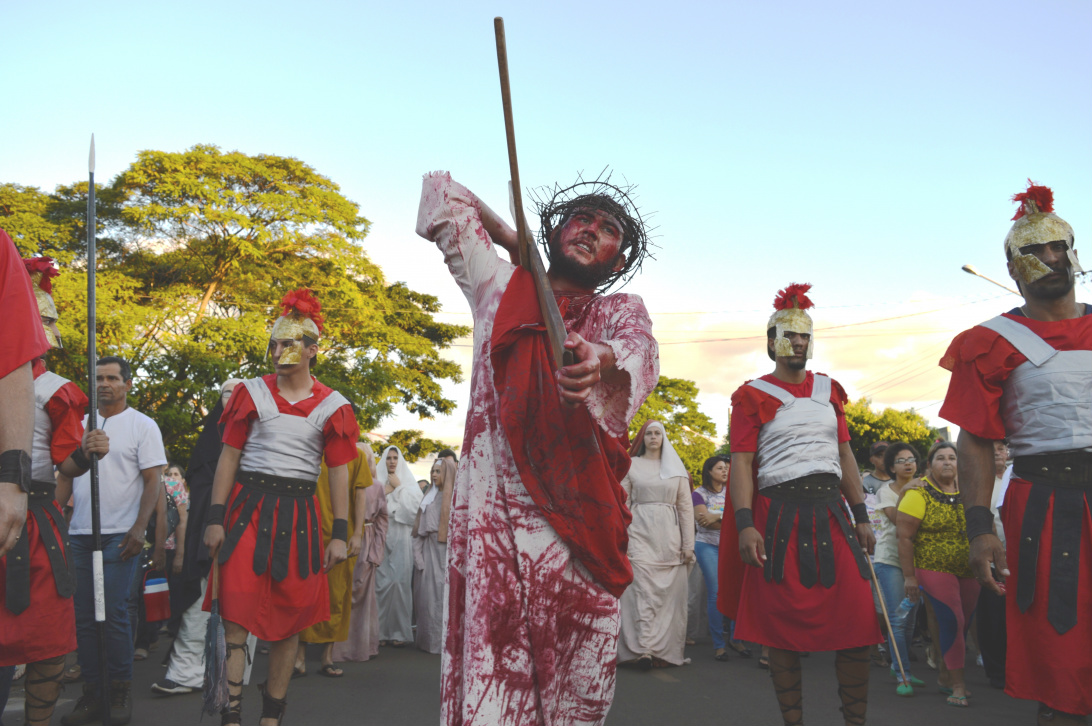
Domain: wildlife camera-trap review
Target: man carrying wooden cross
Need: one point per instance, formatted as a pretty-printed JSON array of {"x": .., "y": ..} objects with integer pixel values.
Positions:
[{"x": 537, "y": 540}]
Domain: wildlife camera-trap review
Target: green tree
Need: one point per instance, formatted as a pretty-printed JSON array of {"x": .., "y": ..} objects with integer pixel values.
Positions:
[
  {"x": 867, "y": 426},
  {"x": 413, "y": 444},
  {"x": 196, "y": 250},
  {"x": 674, "y": 404}
]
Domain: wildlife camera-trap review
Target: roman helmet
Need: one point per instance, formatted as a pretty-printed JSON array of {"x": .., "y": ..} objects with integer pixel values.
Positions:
[
  {"x": 300, "y": 316},
  {"x": 790, "y": 305},
  {"x": 1035, "y": 224},
  {"x": 42, "y": 272}
]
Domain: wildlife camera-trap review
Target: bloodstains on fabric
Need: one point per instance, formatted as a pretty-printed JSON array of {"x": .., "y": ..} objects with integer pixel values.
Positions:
[
  {"x": 530, "y": 636},
  {"x": 571, "y": 470}
]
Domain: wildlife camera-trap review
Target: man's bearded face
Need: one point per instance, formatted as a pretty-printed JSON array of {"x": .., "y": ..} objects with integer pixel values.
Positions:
[
  {"x": 796, "y": 357},
  {"x": 586, "y": 250},
  {"x": 1060, "y": 280}
]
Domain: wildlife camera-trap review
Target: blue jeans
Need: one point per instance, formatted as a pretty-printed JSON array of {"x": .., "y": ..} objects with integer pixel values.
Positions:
[
  {"x": 893, "y": 590},
  {"x": 707, "y": 561},
  {"x": 117, "y": 580}
]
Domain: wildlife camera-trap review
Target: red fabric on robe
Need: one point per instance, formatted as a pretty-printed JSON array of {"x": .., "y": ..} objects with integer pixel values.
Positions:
[
  {"x": 66, "y": 410},
  {"x": 570, "y": 466}
]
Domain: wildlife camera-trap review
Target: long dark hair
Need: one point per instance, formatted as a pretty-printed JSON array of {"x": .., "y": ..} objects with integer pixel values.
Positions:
[{"x": 707, "y": 469}]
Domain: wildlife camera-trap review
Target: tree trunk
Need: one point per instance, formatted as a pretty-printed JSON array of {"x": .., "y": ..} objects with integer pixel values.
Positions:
[{"x": 209, "y": 292}]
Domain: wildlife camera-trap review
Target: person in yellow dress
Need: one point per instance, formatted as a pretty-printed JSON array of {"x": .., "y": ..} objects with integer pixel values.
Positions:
[{"x": 340, "y": 578}]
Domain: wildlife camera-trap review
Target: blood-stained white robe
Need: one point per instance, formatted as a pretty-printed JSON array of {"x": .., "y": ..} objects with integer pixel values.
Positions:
[{"x": 530, "y": 637}]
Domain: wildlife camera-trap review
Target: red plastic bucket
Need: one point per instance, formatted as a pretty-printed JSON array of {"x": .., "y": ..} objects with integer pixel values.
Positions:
[{"x": 157, "y": 599}]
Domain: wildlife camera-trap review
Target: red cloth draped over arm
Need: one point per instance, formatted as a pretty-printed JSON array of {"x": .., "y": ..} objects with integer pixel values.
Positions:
[
  {"x": 66, "y": 410},
  {"x": 341, "y": 433},
  {"x": 24, "y": 336},
  {"x": 570, "y": 466},
  {"x": 238, "y": 414}
]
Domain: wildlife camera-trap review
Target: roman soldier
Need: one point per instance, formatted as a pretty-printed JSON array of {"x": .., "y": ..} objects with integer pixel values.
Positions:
[
  {"x": 37, "y": 620},
  {"x": 1027, "y": 374},
  {"x": 807, "y": 587},
  {"x": 263, "y": 525}
]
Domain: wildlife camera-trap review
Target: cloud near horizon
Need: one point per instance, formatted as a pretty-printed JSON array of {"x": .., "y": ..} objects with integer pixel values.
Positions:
[{"x": 887, "y": 353}]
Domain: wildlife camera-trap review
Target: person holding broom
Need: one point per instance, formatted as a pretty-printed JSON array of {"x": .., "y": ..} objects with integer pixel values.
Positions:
[{"x": 263, "y": 526}]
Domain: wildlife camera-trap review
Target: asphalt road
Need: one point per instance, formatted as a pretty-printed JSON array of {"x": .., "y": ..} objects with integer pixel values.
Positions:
[{"x": 401, "y": 687}]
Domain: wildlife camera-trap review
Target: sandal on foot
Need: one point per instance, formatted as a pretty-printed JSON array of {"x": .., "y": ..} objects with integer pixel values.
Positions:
[
  {"x": 330, "y": 671},
  {"x": 740, "y": 649},
  {"x": 721, "y": 656},
  {"x": 764, "y": 663},
  {"x": 298, "y": 671},
  {"x": 957, "y": 701},
  {"x": 947, "y": 691}
]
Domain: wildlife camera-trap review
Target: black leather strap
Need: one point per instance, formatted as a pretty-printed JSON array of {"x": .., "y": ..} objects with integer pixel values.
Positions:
[
  {"x": 215, "y": 515},
  {"x": 80, "y": 459},
  {"x": 15, "y": 467},
  {"x": 340, "y": 530},
  {"x": 979, "y": 521},
  {"x": 745, "y": 518}
]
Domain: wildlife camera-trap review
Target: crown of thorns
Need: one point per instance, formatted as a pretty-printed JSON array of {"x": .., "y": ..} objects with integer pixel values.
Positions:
[{"x": 556, "y": 204}]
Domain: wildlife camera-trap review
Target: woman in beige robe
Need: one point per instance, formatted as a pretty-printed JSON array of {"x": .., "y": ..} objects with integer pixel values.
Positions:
[
  {"x": 363, "y": 642},
  {"x": 430, "y": 560},
  {"x": 661, "y": 551}
]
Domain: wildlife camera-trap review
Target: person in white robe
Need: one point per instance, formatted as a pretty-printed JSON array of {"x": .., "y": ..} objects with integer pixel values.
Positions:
[
  {"x": 430, "y": 559},
  {"x": 661, "y": 551},
  {"x": 394, "y": 579}
]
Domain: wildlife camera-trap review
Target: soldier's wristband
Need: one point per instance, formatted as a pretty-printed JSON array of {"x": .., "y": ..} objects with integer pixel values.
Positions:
[
  {"x": 80, "y": 459},
  {"x": 744, "y": 518},
  {"x": 340, "y": 530},
  {"x": 15, "y": 468},
  {"x": 860, "y": 513},
  {"x": 216, "y": 515},
  {"x": 979, "y": 521}
]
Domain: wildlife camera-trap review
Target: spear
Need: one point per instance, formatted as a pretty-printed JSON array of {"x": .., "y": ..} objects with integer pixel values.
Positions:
[
  {"x": 529, "y": 258},
  {"x": 92, "y": 424}
]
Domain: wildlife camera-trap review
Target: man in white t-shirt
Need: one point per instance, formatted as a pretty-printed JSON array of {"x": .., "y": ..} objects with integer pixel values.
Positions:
[{"x": 129, "y": 488}]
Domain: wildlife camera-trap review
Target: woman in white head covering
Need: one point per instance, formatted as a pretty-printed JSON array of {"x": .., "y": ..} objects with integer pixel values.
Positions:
[
  {"x": 394, "y": 579},
  {"x": 661, "y": 551}
]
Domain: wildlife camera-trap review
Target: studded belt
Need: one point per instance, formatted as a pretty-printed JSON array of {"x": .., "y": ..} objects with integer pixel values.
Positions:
[
  {"x": 1066, "y": 479},
  {"x": 44, "y": 511},
  {"x": 809, "y": 501},
  {"x": 283, "y": 504}
]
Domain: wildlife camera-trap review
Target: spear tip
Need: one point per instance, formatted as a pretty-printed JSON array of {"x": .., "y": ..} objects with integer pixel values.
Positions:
[{"x": 91, "y": 156}]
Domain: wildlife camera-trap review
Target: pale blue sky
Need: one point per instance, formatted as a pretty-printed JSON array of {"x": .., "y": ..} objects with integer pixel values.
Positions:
[{"x": 869, "y": 148}]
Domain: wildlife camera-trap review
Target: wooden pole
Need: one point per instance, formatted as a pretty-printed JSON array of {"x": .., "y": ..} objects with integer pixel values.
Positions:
[{"x": 529, "y": 258}]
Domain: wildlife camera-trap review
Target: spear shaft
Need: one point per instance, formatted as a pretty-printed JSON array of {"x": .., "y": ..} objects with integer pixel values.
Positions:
[
  {"x": 92, "y": 423},
  {"x": 529, "y": 258}
]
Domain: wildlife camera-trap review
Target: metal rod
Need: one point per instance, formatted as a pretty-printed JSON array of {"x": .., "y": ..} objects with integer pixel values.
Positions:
[
  {"x": 92, "y": 423},
  {"x": 971, "y": 270}
]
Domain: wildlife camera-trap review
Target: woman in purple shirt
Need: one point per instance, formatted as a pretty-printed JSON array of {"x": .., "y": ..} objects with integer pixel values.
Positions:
[{"x": 709, "y": 501}]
